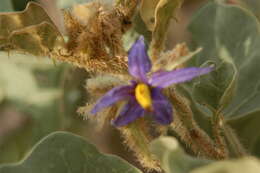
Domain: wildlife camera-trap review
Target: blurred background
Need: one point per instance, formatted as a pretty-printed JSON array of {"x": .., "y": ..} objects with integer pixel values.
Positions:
[{"x": 39, "y": 96}]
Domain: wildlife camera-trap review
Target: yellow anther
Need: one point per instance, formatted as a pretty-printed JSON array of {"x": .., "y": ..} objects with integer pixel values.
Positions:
[{"x": 143, "y": 96}]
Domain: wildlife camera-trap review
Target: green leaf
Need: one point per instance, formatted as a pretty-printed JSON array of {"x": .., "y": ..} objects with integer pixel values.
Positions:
[
  {"x": 246, "y": 126},
  {"x": 252, "y": 5},
  {"x": 217, "y": 28},
  {"x": 248, "y": 165},
  {"x": 173, "y": 159},
  {"x": 217, "y": 88},
  {"x": 64, "y": 152}
]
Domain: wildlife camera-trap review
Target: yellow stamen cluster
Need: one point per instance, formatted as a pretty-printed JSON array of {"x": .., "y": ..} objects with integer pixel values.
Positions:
[{"x": 143, "y": 96}]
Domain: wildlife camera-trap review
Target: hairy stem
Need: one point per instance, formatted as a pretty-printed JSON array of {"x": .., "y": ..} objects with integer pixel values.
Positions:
[
  {"x": 234, "y": 142},
  {"x": 194, "y": 136},
  {"x": 218, "y": 133},
  {"x": 222, "y": 131},
  {"x": 137, "y": 138}
]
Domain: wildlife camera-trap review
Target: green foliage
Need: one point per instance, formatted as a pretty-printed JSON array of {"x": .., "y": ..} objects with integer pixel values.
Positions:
[
  {"x": 246, "y": 126},
  {"x": 230, "y": 48},
  {"x": 62, "y": 152},
  {"x": 233, "y": 87},
  {"x": 248, "y": 165},
  {"x": 230, "y": 38},
  {"x": 39, "y": 93},
  {"x": 252, "y": 5},
  {"x": 175, "y": 160}
]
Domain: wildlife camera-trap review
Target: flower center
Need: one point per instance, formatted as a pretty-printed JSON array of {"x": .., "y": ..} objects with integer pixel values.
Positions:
[{"x": 143, "y": 96}]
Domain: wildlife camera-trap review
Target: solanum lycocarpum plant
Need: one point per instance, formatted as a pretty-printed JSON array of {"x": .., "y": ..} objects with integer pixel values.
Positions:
[{"x": 177, "y": 110}]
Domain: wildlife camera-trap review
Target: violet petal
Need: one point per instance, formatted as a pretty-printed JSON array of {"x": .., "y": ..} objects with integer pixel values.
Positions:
[
  {"x": 165, "y": 79},
  {"x": 130, "y": 112},
  {"x": 163, "y": 110},
  {"x": 112, "y": 96},
  {"x": 138, "y": 61}
]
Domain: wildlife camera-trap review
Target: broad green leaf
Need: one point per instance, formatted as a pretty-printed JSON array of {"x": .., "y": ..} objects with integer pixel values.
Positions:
[
  {"x": 252, "y": 5},
  {"x": 62, "y": 152},
  {"x": 173, "y": 159},
  {"x": 29, "y": 31},
  {"x": 216, "y": 28},
  {"x": 248, "y": 165},
  {"x": 246, "y": 128},
  {"x": 217, "y": 88}
]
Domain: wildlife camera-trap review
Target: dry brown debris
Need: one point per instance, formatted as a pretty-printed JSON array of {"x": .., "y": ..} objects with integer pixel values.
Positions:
[{"x": 95, "y": 37}]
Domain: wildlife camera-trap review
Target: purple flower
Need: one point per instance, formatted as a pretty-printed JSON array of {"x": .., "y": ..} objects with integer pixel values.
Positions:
[{"x": 144, "y": 94}]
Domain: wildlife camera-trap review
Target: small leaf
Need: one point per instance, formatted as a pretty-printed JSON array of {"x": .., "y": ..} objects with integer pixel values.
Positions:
[
  {"x": 164, "y": 11},
  {"x": 216, "y": 89},
  {"x": 147, "y": 13},
  {"x": 62, "y": 152}
]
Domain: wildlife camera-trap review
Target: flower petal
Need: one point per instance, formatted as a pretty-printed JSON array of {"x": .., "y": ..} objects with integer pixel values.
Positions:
[
  {"x": 165, "y": 79},
  {"x": 163, "y": 110},
  {"x": 112, "y": 96},
  {"x": 131, "y": 111},
  {"x": 138, "y": 61}
]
